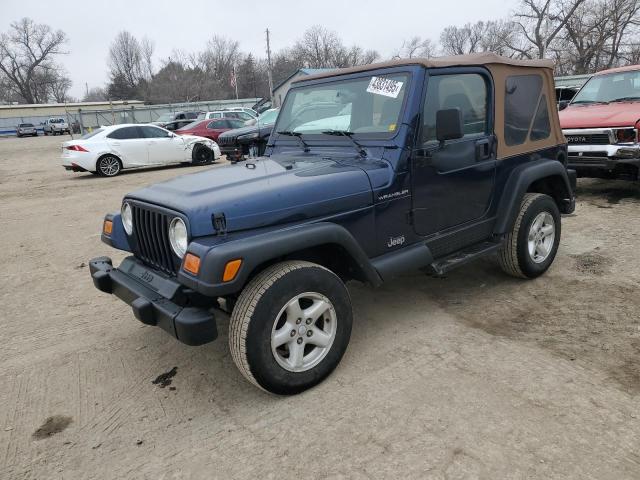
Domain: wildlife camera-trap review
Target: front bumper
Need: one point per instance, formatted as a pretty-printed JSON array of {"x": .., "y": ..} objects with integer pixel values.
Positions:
[
  {"x": 155, "y": 299},
  {"x": 606, "y": 157}
]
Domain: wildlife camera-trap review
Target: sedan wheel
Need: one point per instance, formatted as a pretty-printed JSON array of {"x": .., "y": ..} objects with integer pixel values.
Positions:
[
  {"x": 109, "y": 166},
  {"x": 202, "y": 155}
]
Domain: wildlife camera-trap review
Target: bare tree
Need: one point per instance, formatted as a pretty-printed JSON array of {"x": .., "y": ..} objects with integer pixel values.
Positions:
[
  {"x": 146, "y": 51},
  {"x": 26, "y": 58},
  {"x": 462, "y": 40},
  {"x": 541, "y": 21},
  {"x": 59, "y": 88},
  {"x": 126, "y": 59},
  {"x": 95, "y": 94},
  {"x": 416, "y": 47}
]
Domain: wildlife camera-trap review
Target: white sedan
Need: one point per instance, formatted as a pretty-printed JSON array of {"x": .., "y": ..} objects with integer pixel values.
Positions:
[{"x": 108, "y": 150}]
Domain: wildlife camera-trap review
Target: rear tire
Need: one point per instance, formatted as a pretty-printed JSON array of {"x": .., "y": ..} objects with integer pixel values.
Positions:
[
  {"x": 202, "y": 155},
  {"x": 290, "y": 327},
  {"x": 532, "y": 244},
  {"x": 108, "y": 166}
]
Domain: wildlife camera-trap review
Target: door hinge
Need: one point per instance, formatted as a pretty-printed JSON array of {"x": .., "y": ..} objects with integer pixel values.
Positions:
[{"x": 410, "y": 217}]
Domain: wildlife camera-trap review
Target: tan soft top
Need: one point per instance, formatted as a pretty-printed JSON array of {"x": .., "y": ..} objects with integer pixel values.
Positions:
[
  {"x": 486, "y": 58},
  {"x": 501, "y": 68}
]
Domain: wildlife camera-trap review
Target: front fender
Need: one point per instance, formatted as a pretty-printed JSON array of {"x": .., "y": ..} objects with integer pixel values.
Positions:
[
  {"x": 518, "y": 183},
  {"x": 258, "y": 249},
  {"x": 118, "y": 238}
]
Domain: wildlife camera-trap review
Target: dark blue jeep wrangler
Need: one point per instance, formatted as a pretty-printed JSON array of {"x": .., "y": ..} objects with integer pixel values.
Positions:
[{"x": 404, "y": 165}]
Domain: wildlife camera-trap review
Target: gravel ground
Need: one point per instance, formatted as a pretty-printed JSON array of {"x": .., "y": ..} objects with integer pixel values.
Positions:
[{"x": 474, "y": 376}]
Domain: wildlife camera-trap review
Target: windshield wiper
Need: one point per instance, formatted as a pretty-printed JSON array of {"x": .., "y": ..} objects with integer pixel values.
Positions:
[
  {"x": 345, "y": 133},
  {"x": 588, "y": 101},
  {"x": 625, "y": 99},
  {"x": 298, "y": 135}
]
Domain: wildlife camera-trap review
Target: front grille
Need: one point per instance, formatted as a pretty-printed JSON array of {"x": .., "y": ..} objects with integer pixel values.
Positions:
[
  {"x": 226, "y": 140},
  {"x": 588, "y": 154},
  {"x": 589, "y": 139},
  {"x": 151, "y": 231}
]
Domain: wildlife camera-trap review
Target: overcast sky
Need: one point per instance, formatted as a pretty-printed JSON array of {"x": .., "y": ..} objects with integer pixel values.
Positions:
[{"x": 188, "y": 24}]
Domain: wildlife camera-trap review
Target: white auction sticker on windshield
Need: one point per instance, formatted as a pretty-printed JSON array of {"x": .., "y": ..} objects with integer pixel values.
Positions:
[{"x": 384, "y": 86}]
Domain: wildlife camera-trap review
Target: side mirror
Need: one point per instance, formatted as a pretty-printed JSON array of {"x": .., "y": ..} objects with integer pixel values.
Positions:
[
  {"x": 563, "y": 104},
  {"x": 449, "y": 124}
]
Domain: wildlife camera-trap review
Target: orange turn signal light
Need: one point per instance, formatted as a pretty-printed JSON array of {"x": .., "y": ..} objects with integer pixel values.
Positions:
[
  {"x": 107, "y": 227},
  {"x": 192, "y": 263},
  {"x": 231, "y": 270}
]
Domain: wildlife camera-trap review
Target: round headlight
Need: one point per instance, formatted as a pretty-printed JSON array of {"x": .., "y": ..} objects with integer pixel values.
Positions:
[
  {"x": 127, "y": 218},
  {"x": 178, "y": 236}
]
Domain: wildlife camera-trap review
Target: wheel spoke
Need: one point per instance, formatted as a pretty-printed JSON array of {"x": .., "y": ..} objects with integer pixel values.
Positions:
[
  {"x": 282, "y": 335},
  {"x": 319, "y": 338},
  {"x": 296, "y": 352},
  {"x": 294, "y": 311},
  {"x": 543, "y": 251},
  {"x": 547, "y": 230},
  {"x": 537, "y": 225},
  {"x": 316, "y": 310}
]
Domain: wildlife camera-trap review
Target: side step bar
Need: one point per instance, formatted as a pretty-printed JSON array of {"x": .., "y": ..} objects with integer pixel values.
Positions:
[{"x": 443, "y": 265}]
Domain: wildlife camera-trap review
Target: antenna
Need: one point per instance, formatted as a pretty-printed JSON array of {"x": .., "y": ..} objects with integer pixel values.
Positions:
[{"x": 269, "y": 70}]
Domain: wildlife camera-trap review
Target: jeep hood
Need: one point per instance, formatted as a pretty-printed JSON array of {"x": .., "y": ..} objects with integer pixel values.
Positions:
[
  {"x": 263, "y": 192},
  {"x": 621, "y": 114}
]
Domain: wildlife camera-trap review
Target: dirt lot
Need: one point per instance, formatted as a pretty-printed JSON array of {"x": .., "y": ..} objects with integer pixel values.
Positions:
[{"x": 473, "y": 376}]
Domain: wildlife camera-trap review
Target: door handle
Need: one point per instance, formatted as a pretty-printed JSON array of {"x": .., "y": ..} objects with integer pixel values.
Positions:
[
  {"x": 483, "y": 149},
  {"x": 117, "y": 144}
]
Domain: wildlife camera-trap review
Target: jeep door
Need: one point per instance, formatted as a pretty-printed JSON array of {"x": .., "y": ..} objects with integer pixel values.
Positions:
[
  {"x": 130, "y": 146},
  {"x": 453, "y": 181}
]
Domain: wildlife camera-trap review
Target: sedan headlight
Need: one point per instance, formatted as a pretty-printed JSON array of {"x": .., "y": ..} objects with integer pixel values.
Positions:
[
  {"x": 178, "y": 236},
  {"x": 127, "y": 218}
]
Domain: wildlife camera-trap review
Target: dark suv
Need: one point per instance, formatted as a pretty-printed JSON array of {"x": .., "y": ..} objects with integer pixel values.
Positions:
[{"x": 427, "y": 164}]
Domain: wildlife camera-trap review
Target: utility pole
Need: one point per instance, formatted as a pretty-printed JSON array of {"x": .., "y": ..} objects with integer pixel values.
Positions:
[
  {"x": 86, "y": 86},
  {"x": 269, "y": 70}
]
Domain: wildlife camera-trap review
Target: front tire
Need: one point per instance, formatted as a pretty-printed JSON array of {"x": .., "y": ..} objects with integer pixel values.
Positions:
[
  {"x": 290, "y": 327},
  {"x": 108, "y": 166},
  {"x": 532, "y": 244},
  {"x": 202, "y": 155}
]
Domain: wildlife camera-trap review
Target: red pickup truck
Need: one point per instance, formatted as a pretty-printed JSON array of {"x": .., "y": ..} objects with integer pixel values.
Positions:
[{"x": 601, "y": 124}]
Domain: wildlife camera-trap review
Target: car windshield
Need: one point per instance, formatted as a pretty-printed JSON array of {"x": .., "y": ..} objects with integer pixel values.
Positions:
[
  {"x": 366, "y": 106},
  {"x": 611, "y": 87},
  {"x": 268, "y": 117},
  {"x": 26, "y": 125}
]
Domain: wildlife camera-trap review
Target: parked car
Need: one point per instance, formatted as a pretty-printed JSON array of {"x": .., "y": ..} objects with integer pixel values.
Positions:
[
  {"x": 427, "y": 176},
  {"x": 55, "y": 126},
  {"x": 108, "y": 150},
  {"x": 248, "y": 110},
  {"x": 210, "y": 128},
  {"x": 26, "y": 129},
  {"x": 244, "y": 116},
  {"x": 601, "y": 124},
  {"x": 248, "y": 141},
  {"x": 176, "y": 124},
  {"x": 564, "y": 94},
  {"x": 166, "y": 118}
]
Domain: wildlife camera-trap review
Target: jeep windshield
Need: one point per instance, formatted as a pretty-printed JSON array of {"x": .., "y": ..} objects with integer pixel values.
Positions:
[
  {"x": 611, "y": 87},
  {"x": 365, "y": 107}
]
